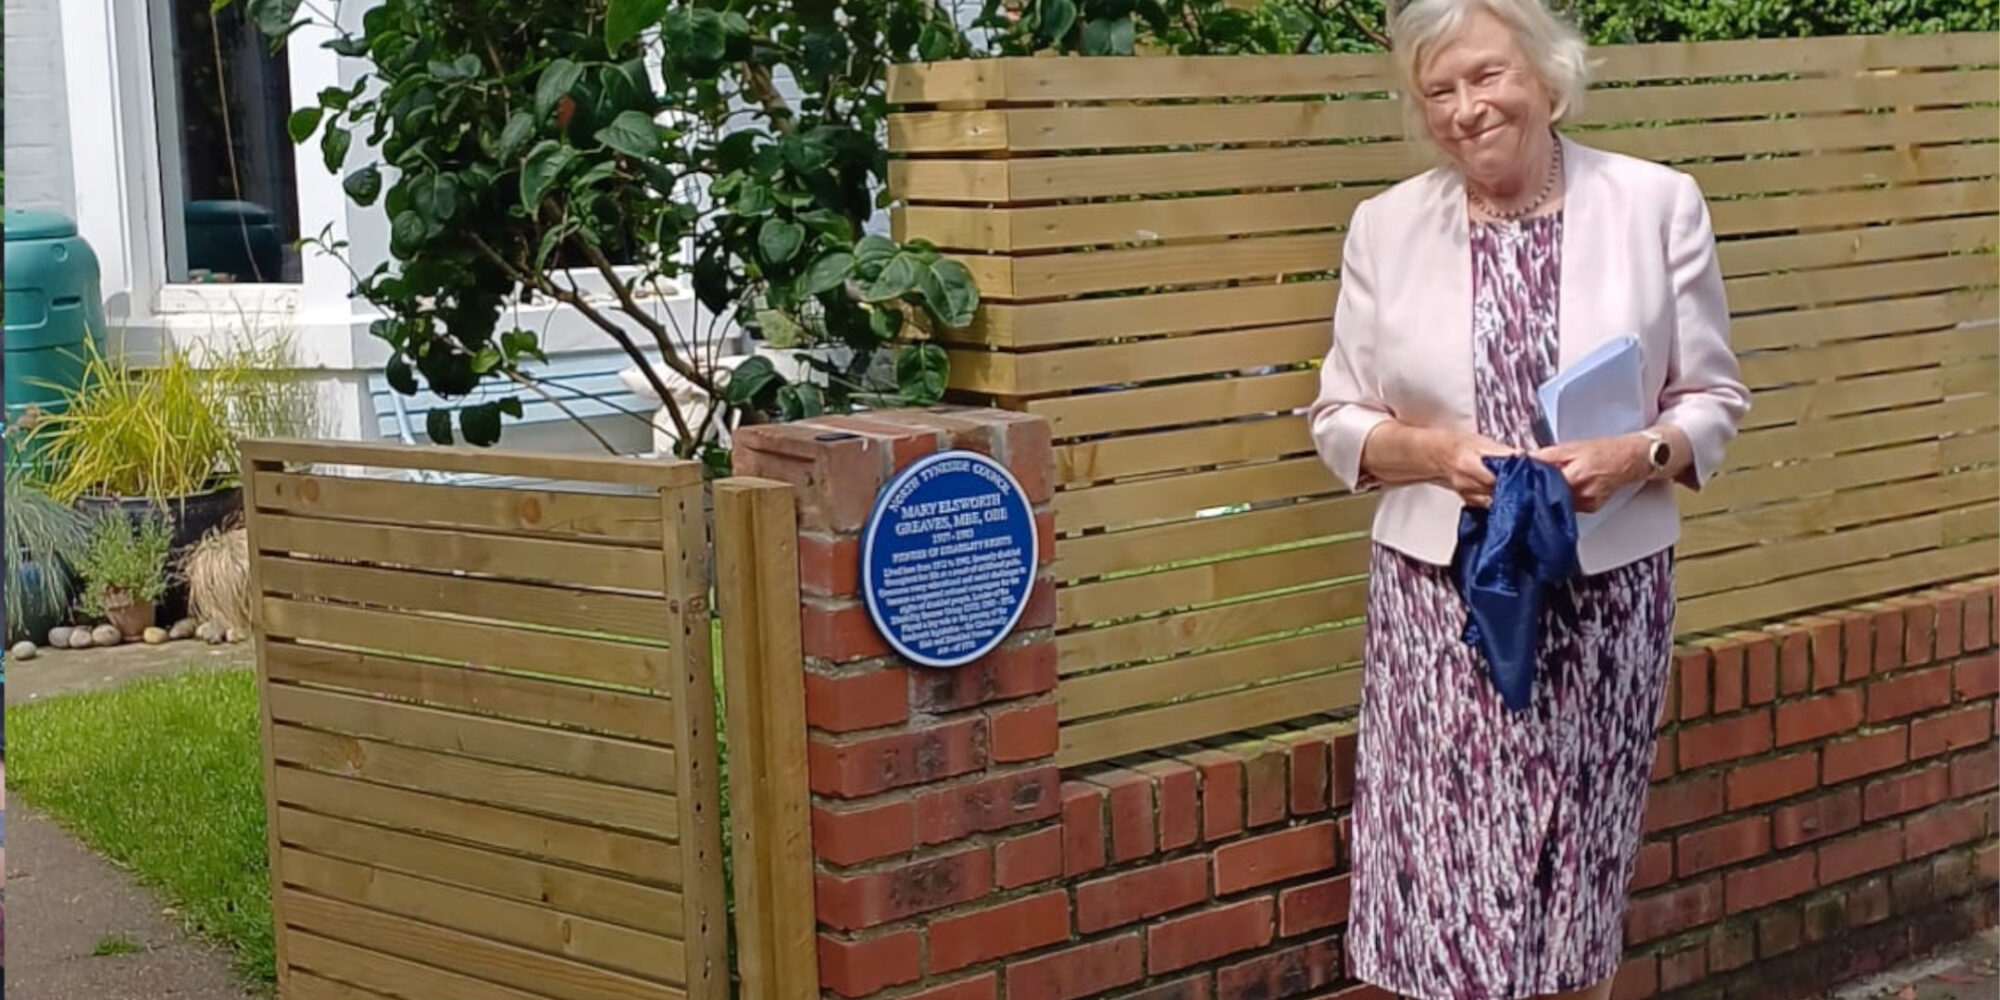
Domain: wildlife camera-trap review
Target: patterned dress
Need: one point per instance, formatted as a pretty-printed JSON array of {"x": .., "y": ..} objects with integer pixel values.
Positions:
[{"x": 1492, "y": 850}]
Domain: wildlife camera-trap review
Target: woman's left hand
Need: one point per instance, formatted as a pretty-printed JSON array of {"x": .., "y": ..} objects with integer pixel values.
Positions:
[{"x": 1599, "y": 467}]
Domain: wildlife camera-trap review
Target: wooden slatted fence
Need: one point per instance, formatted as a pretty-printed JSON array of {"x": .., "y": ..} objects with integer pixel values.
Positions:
[
  {"x": 490, "y": 727},
  {"x": 1157, "y": 241}
]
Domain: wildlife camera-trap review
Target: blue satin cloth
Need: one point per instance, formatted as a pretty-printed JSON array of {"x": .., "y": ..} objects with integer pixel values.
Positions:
[{"x": 1510, "y": 558}]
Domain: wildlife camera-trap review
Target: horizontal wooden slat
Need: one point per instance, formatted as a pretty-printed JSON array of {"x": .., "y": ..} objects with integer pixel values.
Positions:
[
  {"x": 1041, "y": 179},
  {"x": 1051, "y": 323},
  {"x": 1030, "y": 228},
  {"x": 593, "y": 611},
  {"x": 579, "y": 939},
  {"x": 1188, "y": 675},
  {"x": 1854, "y": 246},
  {"x": 1820, "y": 400},
  {"x": 646, "y": 717},
  {"x": 1865, "y": 319},
  {"x": 641, "y": 859},
  {"x": 462, "y": 642},
  {"x": 1209, "y": 628},
  {"x": 466, "y": 954},
  {"x": 536, "y": 559},
  {"x": 1087, "y": 556},
  {"x": 570, "y": 890},
  {"x": 1763, "y": 563},
  {"x": 1193, "y": 586},
  {"x": 1849, "y": 208},
  {"x": 589, "y": 516},
  {"x": 1248, "y": 440},
  {"x": 304, "y": 985},
  {"x": 1862, "y": 281},
  {"x": 1045, "y": 372},
  {"x": 1053, "y": 275},
  {"x": 1879, "y": 354},
  {"x": 1168, "y": 77},
  {"x": 1112, "y": 736},
  {"x": 663, "y": 473},
  {"x": 1847, "y": 585},
  {"x": 1752, "y": 487},
  {"x": 1777, "y": 444},
  {"x": 634, "y": 765},
  {"x": 1056, "y": 129},
  {"x": 1085, "y": 414},
  {"x": 649, "y": 814},
  {"x": 1129, "y": 504},
  {"x": 393, "y": 976},
  {"x": 1837, "y": 510}
]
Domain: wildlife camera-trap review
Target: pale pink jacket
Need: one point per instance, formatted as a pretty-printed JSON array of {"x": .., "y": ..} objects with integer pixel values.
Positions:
[{"x": 1638, "y": 256}]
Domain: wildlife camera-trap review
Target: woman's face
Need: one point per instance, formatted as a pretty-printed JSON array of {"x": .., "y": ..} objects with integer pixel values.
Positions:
[{"x": 1484, "y": 105}]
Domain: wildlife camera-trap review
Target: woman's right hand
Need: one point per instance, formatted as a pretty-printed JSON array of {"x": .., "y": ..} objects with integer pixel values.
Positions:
[{"x": 1462, "y": 467}]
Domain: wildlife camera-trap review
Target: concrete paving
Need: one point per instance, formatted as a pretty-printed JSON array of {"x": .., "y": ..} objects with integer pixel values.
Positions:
[
  {"x": 59, "y": 672},
  {"x": 1967, "y": 971}
]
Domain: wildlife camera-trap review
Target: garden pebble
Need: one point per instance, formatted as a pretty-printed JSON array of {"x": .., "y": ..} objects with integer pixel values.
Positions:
[
  {"x": 155, "y": 636},
  {"x": 23, "y": 650},
  {"x": 211, "y": 633},
  {"x": 183, "y": 629},
  {"x": 81, "y": 639},
  {"x": 59, "y": 636},
  {"x": 106, "y": 635}
]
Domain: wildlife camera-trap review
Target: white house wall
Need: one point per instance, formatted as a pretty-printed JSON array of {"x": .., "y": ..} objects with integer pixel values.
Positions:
[{"x": 38, "y": 147}]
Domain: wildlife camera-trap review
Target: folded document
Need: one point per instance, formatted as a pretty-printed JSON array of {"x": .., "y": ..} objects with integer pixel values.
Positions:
[{"x": 1601, "y": 395}]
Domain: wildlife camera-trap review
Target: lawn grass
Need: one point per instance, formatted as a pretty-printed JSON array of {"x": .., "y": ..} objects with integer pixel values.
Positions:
[{"x": 163, "y": 777}]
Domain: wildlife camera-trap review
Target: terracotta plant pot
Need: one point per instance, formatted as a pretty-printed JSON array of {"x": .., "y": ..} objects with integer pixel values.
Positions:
[{"x": 131, "y": 617}]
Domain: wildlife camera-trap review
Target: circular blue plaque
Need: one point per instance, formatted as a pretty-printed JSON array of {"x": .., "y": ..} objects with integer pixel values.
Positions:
[{"x": 948, "y": 558}]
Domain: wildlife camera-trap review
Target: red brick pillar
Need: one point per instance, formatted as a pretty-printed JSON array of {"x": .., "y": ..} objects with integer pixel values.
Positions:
[{"x": 935, "y": 792}]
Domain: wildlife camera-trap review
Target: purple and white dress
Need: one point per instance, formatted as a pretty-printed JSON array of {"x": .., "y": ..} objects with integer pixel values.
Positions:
[{"x": 1492, "y": 850}]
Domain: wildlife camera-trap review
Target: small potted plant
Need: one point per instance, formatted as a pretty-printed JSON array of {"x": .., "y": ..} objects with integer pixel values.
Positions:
[{"x": 124, "y": 567}]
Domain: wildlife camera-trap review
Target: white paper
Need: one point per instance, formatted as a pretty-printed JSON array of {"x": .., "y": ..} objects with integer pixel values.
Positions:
[{"x": 1601, "y": 395}]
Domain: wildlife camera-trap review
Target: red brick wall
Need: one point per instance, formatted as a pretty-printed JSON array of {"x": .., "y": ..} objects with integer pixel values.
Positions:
[{"x": 1825, "y": 800}]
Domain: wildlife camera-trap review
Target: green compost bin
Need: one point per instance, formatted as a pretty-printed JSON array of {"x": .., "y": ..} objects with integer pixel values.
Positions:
[{"x": 53, "y": 306}]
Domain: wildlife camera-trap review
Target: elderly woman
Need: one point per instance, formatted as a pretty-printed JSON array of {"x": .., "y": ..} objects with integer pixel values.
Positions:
[{"x": 1492, "y": 848}]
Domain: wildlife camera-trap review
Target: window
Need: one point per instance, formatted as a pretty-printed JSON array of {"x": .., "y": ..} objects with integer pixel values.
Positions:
[{"x": 227, "y": 166}]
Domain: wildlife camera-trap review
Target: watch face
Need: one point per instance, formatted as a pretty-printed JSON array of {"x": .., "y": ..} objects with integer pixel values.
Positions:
[{"x": 1661, "y": 453}]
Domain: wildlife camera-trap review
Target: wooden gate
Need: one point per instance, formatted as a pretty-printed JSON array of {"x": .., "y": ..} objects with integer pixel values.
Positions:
[{"x": 489, "y": 721}]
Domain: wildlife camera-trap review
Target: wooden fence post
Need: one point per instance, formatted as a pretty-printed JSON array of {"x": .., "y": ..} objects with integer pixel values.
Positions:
[{"x": 757, "y": 587}]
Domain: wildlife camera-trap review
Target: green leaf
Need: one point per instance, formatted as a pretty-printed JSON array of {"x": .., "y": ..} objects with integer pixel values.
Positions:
[
  {"x": 827, "y": 273},
  {"x": 872, "y": 253},
  {"x": 406, "y": 234},
  {"x": 798, "y": 402},
  {"x": 1109, "y": 37},
  {"x": 515, "y": 134},
  {"x": 750, "y": 380},
  {"x": 625, "y": 19},
  {"x": 1058, "y": 17},
  {"x": 936, "y": 42},
  {"x": 921, "y": 373},
  {"x": 333, "y": 144},
  {"x": 557, "y": 81},
  {"x": 351, "y": 46},
  {"x": 805, "y": 156},
  {"x": 437, "y": 423},
  {"x": 303, "y": 122},
  {"x": 828, "y": 222},
  {"x": 957, "y": 295},
  {"x": 274, "y": 17},
  {"x": 511, "y": 406},
  {"x": 363, "y": 185},
  {"x": 544, "y": 167},
  {"x": 481, "y": 424},
  {"x": 779, "y": 240},
  {"x": 753, "y": 198},
  {"x": 401, "y": 377},
  {"x": 898, "y": 277},
  {"x": 521, "y": 343},
  {"x": 632, "y": 133},
  {"x": 486, "y": 360}
]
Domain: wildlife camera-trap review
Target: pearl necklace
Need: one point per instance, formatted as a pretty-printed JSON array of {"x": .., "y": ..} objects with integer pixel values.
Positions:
[{"x": 1548, "y": 187}]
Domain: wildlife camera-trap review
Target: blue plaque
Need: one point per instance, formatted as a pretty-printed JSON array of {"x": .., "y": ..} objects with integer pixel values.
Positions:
[{"x": 948, "y": 558}]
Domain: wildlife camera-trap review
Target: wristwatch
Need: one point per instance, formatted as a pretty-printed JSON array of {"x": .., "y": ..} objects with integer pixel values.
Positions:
[{"x": 1658, "y": 452}]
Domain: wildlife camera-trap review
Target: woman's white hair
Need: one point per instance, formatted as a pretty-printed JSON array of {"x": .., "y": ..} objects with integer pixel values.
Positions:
[{"x": 1556, "y": 51}]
